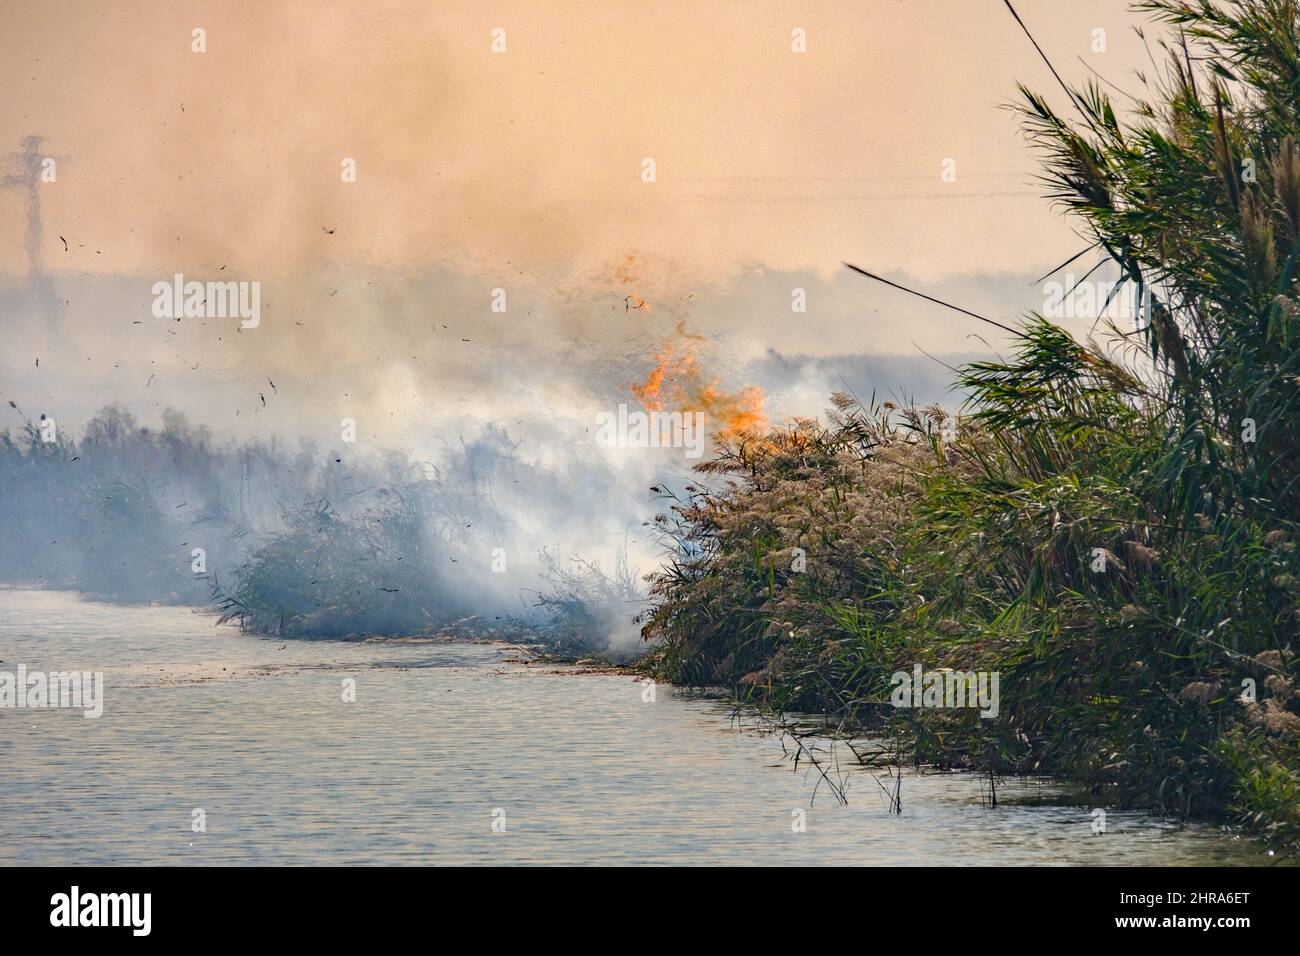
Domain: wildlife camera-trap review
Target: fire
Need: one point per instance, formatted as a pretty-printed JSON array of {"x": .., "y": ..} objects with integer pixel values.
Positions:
[{"x": 678, "y": 379}]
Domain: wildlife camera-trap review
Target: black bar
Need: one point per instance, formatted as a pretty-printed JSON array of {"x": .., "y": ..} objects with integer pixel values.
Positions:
[{"x": 333, "y": 905}]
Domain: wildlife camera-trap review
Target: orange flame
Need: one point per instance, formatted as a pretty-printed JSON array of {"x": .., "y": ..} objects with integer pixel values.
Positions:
[{"x": 678, "y": 379}]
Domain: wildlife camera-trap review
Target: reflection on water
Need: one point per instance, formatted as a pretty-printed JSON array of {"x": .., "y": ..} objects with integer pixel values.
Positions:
[{"x": 256, "y": 733}]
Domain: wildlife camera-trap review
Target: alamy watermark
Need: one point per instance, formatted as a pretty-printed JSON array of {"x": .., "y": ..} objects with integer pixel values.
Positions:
[
  {"x": 1090, "y": 298},
  {"x": 946, "y": 688},
  {"x": 76, "y": 908},
  {"x": 80, "y": 690},
  {"x": 638, "y": 429},
  {"x": 179, "y": 299}
]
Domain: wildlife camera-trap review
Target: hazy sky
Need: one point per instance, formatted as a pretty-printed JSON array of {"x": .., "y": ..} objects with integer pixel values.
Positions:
[{"x": 520, "y": 170}]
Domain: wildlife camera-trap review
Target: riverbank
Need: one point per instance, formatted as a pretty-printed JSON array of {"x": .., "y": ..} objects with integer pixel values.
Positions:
[{"x": 1108, "y": 527}]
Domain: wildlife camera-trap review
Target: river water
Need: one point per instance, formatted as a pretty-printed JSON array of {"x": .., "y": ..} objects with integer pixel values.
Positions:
[{"x": 442, "y": 740}]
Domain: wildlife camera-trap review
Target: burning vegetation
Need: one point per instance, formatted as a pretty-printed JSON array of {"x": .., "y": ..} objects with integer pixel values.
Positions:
[
  {"x": 1111, "y": 528},
  {"x": 679, "y": 383}
]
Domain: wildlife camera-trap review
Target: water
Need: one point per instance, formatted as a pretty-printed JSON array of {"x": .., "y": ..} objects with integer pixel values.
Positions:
[{"x": 255, "y": 733}]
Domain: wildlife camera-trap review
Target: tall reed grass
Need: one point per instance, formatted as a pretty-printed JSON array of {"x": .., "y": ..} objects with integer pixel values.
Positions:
[{"x": 1134, "y": 447}]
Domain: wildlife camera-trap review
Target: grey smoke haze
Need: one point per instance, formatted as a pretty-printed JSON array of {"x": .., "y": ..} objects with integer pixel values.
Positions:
[
  {"x": 388, "y": 349},
  {"x": 496, "y": 411}
]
